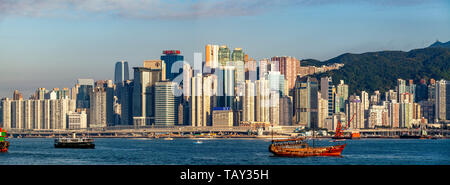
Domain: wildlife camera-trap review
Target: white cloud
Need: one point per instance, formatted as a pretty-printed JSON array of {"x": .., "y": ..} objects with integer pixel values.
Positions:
[{"x": 163, "y": 9}]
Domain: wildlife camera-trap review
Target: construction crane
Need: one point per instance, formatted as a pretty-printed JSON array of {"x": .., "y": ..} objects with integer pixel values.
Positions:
[{"x": 340, "y": 131}]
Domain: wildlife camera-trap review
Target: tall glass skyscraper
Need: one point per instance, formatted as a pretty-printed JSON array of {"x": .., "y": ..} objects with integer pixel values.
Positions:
[
  {"x": 170, "y": 57},
  {"x": 121, "y": 72},
  {"x": 224, "y": 55}
]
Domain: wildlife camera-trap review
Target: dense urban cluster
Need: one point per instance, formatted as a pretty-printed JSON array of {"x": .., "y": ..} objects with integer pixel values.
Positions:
[{"x": 225, "y": 89}]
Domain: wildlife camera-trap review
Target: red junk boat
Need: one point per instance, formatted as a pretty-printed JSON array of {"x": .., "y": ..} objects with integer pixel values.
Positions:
[
  {"x": 3, "y": 143},
  {"x": 298, "y": 147}
]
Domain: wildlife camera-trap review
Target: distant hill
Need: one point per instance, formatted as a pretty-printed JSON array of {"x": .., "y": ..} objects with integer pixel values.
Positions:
[
  {"x": 438, "y": 44},
  {"x": 380, "y": 70}
]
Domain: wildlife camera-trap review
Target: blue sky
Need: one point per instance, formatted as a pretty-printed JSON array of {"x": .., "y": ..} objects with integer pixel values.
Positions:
[{"x": 51, "y": 43}]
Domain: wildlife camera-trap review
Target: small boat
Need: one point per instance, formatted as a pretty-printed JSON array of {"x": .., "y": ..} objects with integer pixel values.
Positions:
[
  {"x": 4, "y": 145},
  {"x": 168, "y": 138},
  {"x": 74, "y": 142},
  {"x": 198, "y": 142}
]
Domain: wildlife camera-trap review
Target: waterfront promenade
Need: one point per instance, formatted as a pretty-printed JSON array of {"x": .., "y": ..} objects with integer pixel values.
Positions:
[{"x": 221, "y": 132}]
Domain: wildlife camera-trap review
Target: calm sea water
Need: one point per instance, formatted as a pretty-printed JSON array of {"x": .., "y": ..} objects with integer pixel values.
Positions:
[{"x": 33, "y": 151}]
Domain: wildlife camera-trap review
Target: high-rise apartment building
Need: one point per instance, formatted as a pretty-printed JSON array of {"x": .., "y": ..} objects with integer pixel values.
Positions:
[
  {"x": 442, "y": 100},
  {"x": 287, "y": 67}
]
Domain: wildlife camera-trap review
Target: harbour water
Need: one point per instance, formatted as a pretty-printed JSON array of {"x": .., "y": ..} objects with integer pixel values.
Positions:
[{"x": 122, "y": 151}]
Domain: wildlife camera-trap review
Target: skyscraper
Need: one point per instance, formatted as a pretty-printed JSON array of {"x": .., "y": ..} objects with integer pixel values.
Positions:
[
  {"x": 212, "y": 56},
  {"x": 249, "y": 101},
  {"x": 86, "y": 86},
  {"x": 287, "y": 67},
  {"x": 144, "y": 91},
  {"x": 171, "y": 57},
  {"x": 121, "y": 72},
  {"x": 442, "y": 100},
  {"x": 326, "y": 91},
  {"x": 237, "y": 55},
  {"x": 196, "y": 101},
  {"x": 166, "y": 109},
  {"x": 355, "y": 110},
  {"x": 224, "y": 55},
  {"x": 306, "y": 101}
]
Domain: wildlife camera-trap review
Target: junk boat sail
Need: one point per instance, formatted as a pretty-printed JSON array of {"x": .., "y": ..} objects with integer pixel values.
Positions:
[
  {"x": 3, "y": 143},
  {"x": 298, "y": 147},
  {"x": 74, "y": 142}
]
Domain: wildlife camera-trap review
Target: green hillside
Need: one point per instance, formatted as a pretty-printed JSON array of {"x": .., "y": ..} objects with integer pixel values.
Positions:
[{"x": 380, "y": 70}]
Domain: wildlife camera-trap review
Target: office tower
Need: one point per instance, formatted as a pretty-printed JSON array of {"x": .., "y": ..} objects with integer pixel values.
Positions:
[
  {"x": 394, "y": 114},
  {"x": 187, "y": 75},
  {"x": 341, "y": 96},
  {"x": 421, "y": 91},
  {"x": 274, "y": 109},
  {"x": 326, "y": 90},
  {"x": 228, "y": 86},
  {"x": 212, "y": 56},
  {"x": 126, "y": 103},
  {"x": 224, "y": 55},
  {"x": 406, "y": 114},
  {"x": 170, "y": 58},
  {"x": 238, "y": 55},
  {"x": 222, "y": 117},
  {"x": 442, "y": 100},
  {"x": 262, "y": 101},
  {"x": 239, "y": 74},
  {"x": 85, "y": 87},
  {"x": 249, "y": 102},
  {"x": 287, "y": 67},
  {"x": 121, "y": 72},
  {"x": 277, "y": 82},
  {"x": 76, "y": 120},
  {"x": 209, "y": 89},
  {"x": 237, "y": 58},
  {"x": 17, "y": 95},
  {"x": 196, "y": 101},
  {"x": 355, "y": 110},
  {"x": 427, "y": 110},
  {"x": 144, "y": 91},
  {"x": 286, "y": 111},
  {"x": 322, "y": 110},
  {"x": 166, "y": 111},
  {"x": 306, "y": 101}
]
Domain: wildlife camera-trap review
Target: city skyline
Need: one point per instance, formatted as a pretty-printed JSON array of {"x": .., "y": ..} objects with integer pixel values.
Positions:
[{"x": 51, "y": 44}]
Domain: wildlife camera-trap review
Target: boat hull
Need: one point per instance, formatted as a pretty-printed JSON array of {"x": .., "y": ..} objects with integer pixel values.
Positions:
[
  {"x": 87, "y": 145},
  {"x": 307, "y": 152},
  {"x": 4, "y": 145}
]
